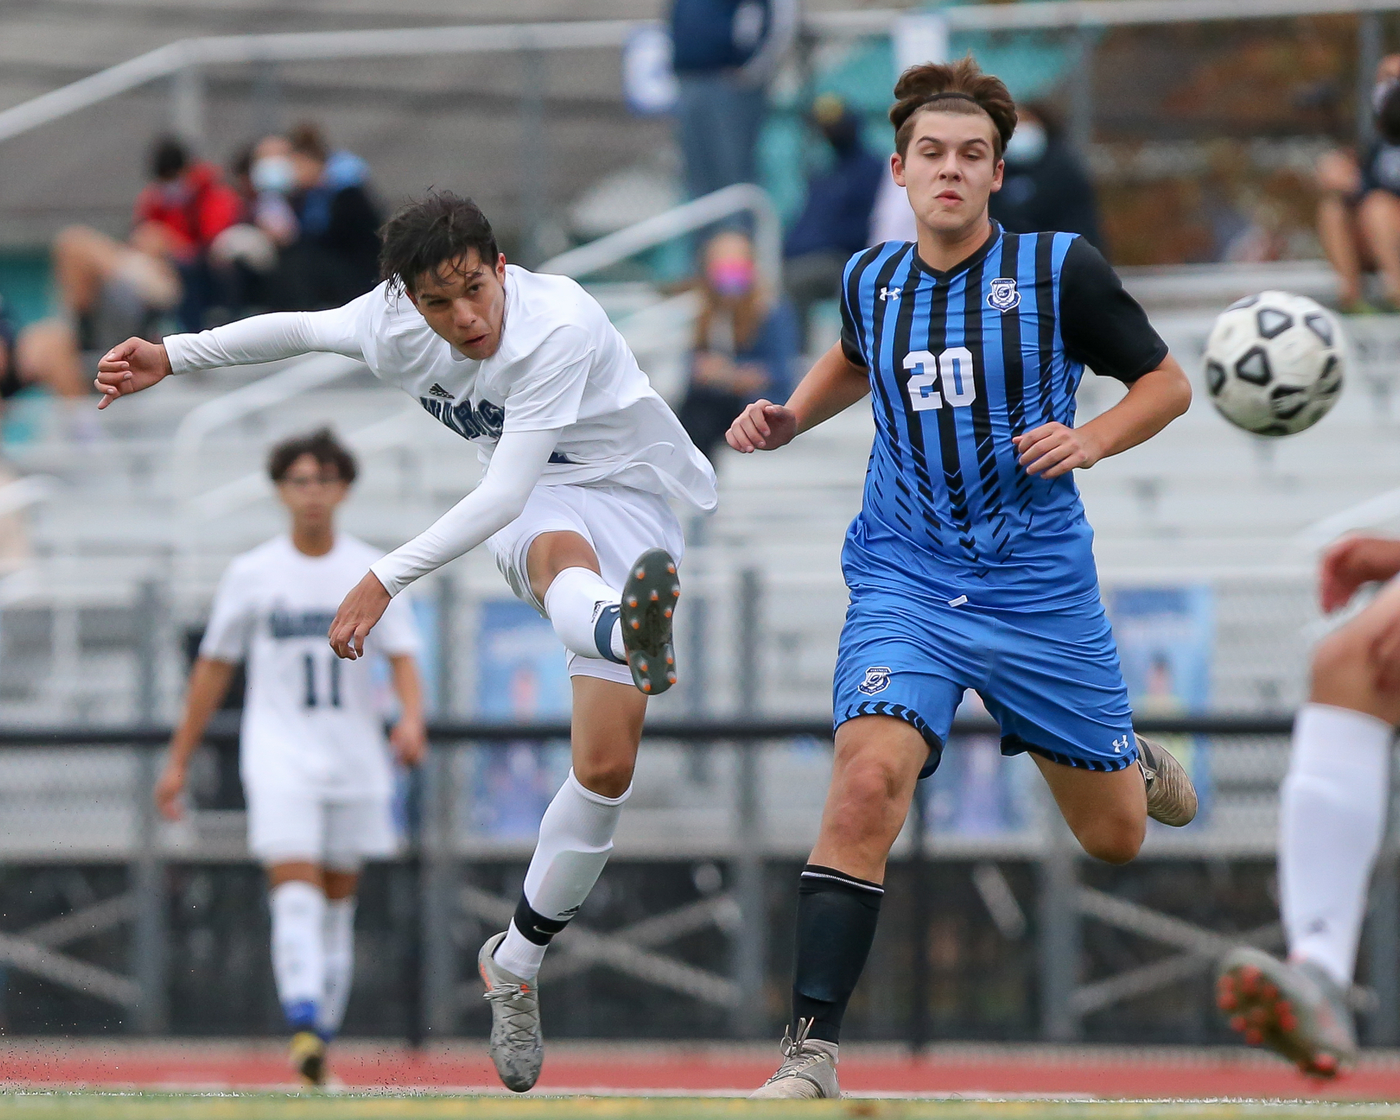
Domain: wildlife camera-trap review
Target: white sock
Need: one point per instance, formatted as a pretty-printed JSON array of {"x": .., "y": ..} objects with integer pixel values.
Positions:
[
  {"x": 576, "y": 836},
  {"x": 1331, "y": 820},
  {"x": 583, "y": 611},
  {"x": 298, "y": 958},
  {"x": 338, "y": 940}
]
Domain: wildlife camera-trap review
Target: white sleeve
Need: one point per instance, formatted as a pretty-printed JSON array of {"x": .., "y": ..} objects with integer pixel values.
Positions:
[
  {"x": 266, "y": 338},
  {"x": 516, "y": 465},
  {"x": 548, "y": 394},
  {"x": 397, "y": 632},
  {"x": 230, "y": 620}
]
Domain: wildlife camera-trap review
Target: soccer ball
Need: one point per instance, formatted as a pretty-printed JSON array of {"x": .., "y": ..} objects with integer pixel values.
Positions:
[{"x": 1274, "y": 363}]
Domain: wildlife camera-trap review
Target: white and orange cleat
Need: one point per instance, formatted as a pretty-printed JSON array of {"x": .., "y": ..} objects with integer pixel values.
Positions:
[
  {"x": 1296, "y": 1010},
  {"x": 647, "y": 611},
  {"x": 517, "y": 1046}
]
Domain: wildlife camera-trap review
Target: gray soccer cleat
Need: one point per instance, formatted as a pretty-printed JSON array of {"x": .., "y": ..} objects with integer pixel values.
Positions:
[
  {"x": 648, "y": 605},
  {"x": 1171, "y": 798},
  {"x": 1296, "y": 1010},
  {"x": 808, "y": 1071},
  {"x": 517, "y": 1046}
]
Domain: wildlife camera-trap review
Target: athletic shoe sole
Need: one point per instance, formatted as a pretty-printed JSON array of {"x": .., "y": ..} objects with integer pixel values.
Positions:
[
  {"x": 1171, "y": 798},
  {"x": 649, "y": 600},
  {"x": 1253, "y": 991}
]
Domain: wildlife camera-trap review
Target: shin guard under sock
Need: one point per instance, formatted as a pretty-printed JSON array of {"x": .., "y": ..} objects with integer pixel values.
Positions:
[
  {"x": 836, "y": 918},
  {"x": 583, "y": 610}
]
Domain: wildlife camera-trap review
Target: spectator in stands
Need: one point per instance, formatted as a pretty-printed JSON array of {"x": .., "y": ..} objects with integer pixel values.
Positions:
[
  {"x": 835, "y": 222},
  {"x": 40, "y": 354},
  {"x": 1045, "y": 185},
  {"x": 178, "y": 215},
  {"x": 725, "y": 53},
  {"x": 1358, "y": 213},
  {"x": 334, "y": 256},
  {"x": 745, "y": 342},
  {"x": 245, "y": 256}
]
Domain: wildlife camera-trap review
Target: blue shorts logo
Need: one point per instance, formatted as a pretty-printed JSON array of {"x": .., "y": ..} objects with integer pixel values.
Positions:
[
  {"x": 1003, "y": 296},
  {"x": 877, "y": 679}
]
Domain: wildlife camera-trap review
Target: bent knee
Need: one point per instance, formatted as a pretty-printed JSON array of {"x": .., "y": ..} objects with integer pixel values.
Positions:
[
  {"x": 605, "y": 778},
  {"x": 1115, "y": 840}
]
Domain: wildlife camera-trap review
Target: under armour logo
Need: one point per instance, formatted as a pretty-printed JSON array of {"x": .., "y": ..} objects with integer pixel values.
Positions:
[
  {"x": 438, "y": 391},
  {"x": 1120, "y": 745},
  {"x": 1003, "y": 296},
  {"x": 890, "y": 293}
]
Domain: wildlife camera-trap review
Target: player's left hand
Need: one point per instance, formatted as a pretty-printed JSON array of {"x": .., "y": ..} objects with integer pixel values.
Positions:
[
  {"x": 409, "y": 738},
  {"x": 1054, "y": 449},
  {"x": 361, "y": 609}
]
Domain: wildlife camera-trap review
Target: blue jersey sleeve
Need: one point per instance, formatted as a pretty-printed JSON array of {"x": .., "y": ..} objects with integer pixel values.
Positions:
[{"x": 851, "y": 332}]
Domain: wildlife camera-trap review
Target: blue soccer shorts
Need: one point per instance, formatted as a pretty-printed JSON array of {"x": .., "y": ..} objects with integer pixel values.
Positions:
[{"x": 1050, "y": 679}]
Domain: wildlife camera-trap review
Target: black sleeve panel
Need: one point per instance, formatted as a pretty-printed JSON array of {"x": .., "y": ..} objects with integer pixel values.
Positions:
[
  {"x": 850, "y": 334},
  {"x": 1101, "y": 324}
]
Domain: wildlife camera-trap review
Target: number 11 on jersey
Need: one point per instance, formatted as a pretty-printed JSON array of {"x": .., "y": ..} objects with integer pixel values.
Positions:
[
  {"x": 953, "y": 367},
  {"x": 311, "y": 697}
]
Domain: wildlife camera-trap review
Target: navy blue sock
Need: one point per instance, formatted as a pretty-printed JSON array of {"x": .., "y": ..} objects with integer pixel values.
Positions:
[
  {"x": 836, "y": 918},
  {"x": 301, "y": 1015}
]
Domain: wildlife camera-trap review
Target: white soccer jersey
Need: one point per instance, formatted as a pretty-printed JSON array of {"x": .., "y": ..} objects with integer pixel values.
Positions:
[
  {"x": 310, "y": 720},
  {"x": 561, "y": 364}
]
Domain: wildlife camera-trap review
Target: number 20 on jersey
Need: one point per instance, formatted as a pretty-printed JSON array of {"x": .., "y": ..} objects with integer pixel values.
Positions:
[{"x": 953, "y": 368}]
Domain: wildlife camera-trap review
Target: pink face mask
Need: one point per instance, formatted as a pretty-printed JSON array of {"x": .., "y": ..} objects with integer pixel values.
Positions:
[{"x": 731, "y": 277}]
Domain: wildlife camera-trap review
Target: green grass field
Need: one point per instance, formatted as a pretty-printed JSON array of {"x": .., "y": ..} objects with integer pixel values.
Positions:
[{"x": 281, "y": 1106}]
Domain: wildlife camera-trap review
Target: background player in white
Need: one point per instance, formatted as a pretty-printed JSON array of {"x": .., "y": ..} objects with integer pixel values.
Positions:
[
  {"x": 581, "y": 456},
  {"x": 316, "y": 772},
  {"x": 1334, "y": 805}
]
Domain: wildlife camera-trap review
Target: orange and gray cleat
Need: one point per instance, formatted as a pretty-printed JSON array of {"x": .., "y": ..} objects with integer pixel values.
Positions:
[
  {"x": 647, "y": 612},
  {"x": 1296, "y": 1010}
]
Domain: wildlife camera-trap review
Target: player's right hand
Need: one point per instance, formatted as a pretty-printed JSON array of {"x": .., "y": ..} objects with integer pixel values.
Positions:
[
  {"x": 168, "y": 789},
  {"x": 129, "y": 367},
  {"x": 762, "y": 426}
]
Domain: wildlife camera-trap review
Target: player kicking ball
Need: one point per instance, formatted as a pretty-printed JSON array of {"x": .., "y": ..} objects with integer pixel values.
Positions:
[
  {"x": 315, "y": 770},
  {"x": 970, "y": 564},
  {"x": 1334, "y": 804},
  {"x": 581, "y": 456}
]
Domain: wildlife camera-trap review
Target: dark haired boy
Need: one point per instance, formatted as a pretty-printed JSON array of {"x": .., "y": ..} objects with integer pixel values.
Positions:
[
  {"x": 581, "y": 456},
  {"x": 970, "y": 564},
  {"x": 315, "y": 770}
]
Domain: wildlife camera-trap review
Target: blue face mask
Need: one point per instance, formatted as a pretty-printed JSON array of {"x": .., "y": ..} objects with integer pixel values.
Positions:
[
  {"x": 1027, "y": 143},
  {"x": 273, "y": 173}
]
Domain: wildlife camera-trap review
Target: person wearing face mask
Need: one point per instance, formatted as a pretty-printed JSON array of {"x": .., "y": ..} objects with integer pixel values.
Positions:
[
  {"x": 835, "y": 221},
  {"x": 1358, "y": 210},
  {"x": 335, "y": 253},
  {"x": 1046, "y": 186},
  {"x": 745, "y": 341}
]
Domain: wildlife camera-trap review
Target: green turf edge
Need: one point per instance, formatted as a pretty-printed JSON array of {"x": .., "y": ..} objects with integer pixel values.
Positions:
[{"x": 39, "y": 1105}]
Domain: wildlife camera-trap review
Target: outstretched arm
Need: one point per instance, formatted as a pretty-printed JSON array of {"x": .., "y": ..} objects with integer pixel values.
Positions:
[
  {"x": 136, "y": 364},
  {"x": 1153, "y": 401},
  {"x": 832, "y": 385},
  {"x": 516, "y": 466}
]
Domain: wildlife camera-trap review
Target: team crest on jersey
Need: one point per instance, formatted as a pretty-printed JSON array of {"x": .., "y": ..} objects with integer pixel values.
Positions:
[
  {"x": 877, "y": 679},
  {"x": 1003, "y": 296}
]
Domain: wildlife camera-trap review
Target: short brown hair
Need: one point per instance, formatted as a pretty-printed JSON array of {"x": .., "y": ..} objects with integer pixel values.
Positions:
[
  {"x": 426, "y": 236},
  {"x": 307, "y": 139},
  {"x": 951, "y": 87},
  {"x": 321, "y": 445}
]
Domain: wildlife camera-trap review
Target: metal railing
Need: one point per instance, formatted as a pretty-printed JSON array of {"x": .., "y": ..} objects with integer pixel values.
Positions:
[
  {"x": 438, "y": 871},
  {"x": 183, "y": 60}
]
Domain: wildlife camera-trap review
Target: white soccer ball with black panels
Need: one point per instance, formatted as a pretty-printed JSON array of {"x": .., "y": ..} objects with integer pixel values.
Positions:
[{"x": 1274, "y": 363}]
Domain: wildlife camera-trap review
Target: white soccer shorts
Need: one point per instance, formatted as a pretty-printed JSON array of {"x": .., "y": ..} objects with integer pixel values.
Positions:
[
  {"x": 302, "y": 826},
  {"x": 619, "y": 522}
]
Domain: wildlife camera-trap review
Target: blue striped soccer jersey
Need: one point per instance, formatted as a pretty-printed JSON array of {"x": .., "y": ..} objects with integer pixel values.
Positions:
[{"x": 965, "y": 571}]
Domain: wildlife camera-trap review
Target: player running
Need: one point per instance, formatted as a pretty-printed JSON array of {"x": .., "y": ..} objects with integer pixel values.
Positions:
[
  {"x": 970, "y": 564},
  {"x": 1334, "y": 804},
  {"x": 315, "y": 770},
  {"x": 581, "y": 455}
]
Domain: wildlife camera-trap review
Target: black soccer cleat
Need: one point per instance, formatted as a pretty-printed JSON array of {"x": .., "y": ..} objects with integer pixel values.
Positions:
[{"x": 649, "y": 600}]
